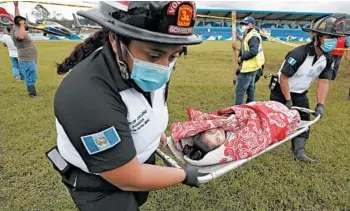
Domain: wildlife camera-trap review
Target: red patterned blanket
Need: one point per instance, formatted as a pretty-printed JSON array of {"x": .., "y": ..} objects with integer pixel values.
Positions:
[{"x": 255, "y": 126}]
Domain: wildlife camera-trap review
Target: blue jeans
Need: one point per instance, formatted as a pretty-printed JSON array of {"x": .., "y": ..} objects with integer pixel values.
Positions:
[
  {"x": 245, "y": 83},
  {"x": 28, "y": 69},
  {"x": 15, "y": 67}
]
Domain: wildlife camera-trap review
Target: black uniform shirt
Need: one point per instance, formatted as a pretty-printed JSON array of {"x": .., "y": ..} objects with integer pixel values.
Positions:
[
  {"x": 102, "y": 121},
  {"x": 302, "y": 66}
]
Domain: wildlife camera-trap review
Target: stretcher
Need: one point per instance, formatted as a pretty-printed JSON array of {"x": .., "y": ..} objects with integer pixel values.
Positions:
[{"x": 208, "y": 173}]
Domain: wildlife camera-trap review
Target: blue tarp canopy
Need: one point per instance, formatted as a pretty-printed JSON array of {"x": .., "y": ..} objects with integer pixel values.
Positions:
[{"x": 263, "y": 15}]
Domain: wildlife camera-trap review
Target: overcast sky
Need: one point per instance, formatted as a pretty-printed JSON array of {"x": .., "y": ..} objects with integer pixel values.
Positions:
[{"x": 297, "y": 6}]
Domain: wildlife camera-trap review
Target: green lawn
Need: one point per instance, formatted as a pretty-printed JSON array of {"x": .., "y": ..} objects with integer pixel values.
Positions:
[{"x": 273, "y": 181}]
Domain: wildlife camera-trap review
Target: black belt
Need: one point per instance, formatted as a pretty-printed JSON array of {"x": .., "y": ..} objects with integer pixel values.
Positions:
[
  {"x": 78, "y": 179},
  {"x": 278, "y": 87},
  {"x": 81, "y": 181}
]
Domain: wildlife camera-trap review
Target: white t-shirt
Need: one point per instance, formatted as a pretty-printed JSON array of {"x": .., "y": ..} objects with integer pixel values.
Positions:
[{"x": 7, "y": 40}]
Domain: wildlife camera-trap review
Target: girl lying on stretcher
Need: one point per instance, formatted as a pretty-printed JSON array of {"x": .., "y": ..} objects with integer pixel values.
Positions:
[
  {"x": 204, "y": 142},
  {"x": 233, "y": 133}
]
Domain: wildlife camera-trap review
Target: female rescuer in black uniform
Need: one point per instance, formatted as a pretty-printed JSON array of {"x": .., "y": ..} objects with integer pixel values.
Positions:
[
  {"x": 111, "y": 108},
  {"x": 301, "y": 67}
]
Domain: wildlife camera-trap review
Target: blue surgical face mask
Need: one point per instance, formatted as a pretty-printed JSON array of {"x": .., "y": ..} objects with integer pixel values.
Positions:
[
  {"x": 329, "y": 44},
  {"x": 244, "y": 28},
  {"x": 149, "y": 76}
]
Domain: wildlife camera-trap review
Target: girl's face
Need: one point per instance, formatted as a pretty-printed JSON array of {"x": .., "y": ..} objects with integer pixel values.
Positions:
[{"x": 214, "y": 137}]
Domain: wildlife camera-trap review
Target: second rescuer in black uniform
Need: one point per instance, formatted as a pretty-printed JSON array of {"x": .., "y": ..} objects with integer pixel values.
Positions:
[
  {"x": 111, "y": 109},
  {"x": 301, "y": 67}
]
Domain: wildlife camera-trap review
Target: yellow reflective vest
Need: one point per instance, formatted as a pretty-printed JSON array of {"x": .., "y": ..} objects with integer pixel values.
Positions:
[{"x": 256, "y": 62}]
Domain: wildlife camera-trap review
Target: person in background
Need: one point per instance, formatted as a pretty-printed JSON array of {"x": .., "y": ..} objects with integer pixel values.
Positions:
[
  {"x": 27, "y": 53},
  {"x": 251, "y": 59},
  {"x": 338, "y": 53},
  {"x": 8, "y": 42},
  {"x": 184, "y": 51},
  {"x": 260, "y": 72}
]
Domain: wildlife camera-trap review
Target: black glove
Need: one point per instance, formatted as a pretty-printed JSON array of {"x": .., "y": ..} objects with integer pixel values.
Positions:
[
  {"x": 289, "y": 104},
  {"x": 191, "y": 177},
  {"x": 319, "y": 110}
]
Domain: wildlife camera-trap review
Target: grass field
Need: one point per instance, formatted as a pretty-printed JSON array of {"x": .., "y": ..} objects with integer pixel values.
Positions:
[{"x": 273, "y": 181}]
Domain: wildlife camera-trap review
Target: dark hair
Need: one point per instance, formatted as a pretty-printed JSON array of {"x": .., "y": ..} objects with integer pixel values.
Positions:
[
  {"x": 8, "y": 29},
  {"x": 85, "y": 49},
  {"x": 82, "y": 51},
  {"x": 316, "y": 39},
  {"x": 199, "y": 148},
  {"x": 18, "y": 19}
]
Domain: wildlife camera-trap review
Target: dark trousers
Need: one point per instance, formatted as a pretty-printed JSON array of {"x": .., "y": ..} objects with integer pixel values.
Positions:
[
  {"x": 337, "y": 61},
  {"x": 184, "y": 51},
  {"x": 92, "y": 192},
  {"x": 300, "y": 100}
]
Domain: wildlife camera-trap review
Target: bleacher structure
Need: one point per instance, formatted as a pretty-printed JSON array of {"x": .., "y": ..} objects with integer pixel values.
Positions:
[{"x": 285, "y": 26}]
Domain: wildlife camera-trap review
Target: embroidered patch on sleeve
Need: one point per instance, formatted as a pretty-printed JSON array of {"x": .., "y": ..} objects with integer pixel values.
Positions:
[
  {"x": 292, "y": 61},
  {"x": 101, "y": 141}
]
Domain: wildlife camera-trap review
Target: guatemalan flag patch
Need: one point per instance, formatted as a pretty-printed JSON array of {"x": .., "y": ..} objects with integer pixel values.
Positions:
[
  {"x": 292, "y": 61},
  {"x": 101, "y": 141}
]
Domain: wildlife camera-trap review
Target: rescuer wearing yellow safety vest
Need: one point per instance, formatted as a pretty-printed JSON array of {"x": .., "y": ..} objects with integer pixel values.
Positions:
[{"x": 251, "y": 59}]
